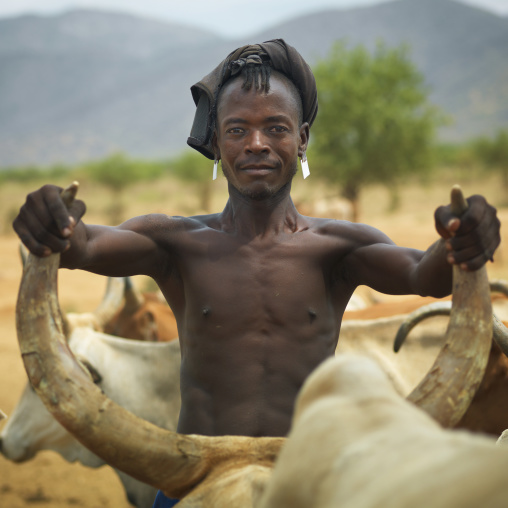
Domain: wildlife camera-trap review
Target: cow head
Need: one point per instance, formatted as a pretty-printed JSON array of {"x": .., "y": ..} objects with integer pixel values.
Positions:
[
  {"x": 23, "y": 437},
  {"x": 144, "y": 316}
]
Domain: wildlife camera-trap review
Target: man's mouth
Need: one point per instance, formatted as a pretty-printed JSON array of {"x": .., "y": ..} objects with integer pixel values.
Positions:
[{"x": 257, "y": 169}]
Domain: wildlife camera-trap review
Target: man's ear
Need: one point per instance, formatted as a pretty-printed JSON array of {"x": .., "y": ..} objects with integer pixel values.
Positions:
[
  {"x": 215, "y": 145},
  {"x": 304, "y": 138}
]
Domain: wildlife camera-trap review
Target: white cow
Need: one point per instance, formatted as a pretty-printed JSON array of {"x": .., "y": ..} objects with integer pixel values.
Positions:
[
  {"x": 140, "y": 376},
  {"x": 370, "y": 448}
]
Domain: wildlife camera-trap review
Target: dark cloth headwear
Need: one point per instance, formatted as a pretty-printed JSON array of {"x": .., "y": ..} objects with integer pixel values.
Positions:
[{"x": 282, "y": 58}]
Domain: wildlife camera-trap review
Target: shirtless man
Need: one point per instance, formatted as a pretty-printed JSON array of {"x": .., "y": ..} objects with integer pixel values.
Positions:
[{"x": 258, "y": 290}]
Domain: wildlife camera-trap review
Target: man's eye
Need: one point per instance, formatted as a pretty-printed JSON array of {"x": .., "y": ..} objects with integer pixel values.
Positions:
[
  {"x": 235, "y": 130},
  {"x": 278, "y": 128}
]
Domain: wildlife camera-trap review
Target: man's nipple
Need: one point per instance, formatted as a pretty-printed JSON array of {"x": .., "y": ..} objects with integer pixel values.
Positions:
[
  {"x": 312, "y": 315},
  {"x": 205, "y": 311}
]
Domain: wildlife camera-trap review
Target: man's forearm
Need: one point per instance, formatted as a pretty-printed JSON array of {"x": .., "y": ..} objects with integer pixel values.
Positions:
[
  {"x": 433, "y": 274},
  {"x": 75, "y": 256}
]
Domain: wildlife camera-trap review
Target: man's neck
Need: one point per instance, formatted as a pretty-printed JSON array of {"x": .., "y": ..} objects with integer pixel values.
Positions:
[{"x": 260, "y": 217}]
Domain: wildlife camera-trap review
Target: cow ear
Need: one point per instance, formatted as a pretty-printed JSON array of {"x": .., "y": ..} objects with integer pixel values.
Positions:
[{"x": 94, "y": 373}]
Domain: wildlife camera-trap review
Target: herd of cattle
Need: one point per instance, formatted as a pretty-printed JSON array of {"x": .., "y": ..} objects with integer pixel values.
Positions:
[{"x": 360, "y": 437}]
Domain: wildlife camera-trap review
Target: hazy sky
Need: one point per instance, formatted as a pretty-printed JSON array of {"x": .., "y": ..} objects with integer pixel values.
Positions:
[{"x": 230, "y": 18}]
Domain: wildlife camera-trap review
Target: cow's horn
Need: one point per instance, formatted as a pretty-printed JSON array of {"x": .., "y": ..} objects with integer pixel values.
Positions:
[
  {"x": 23, "y": 253},
  {"x": 169, "y": 461},
  {"x": 134, "y": 300},
  {"x": 450, "y": 385},
  {"x": 432, "y": 309},
  {"x": 499, "y": 329},
  {"x": 499, "y": 286},
  {"x": 500, "y": 334},
  {"x": 112, "y": 300},
  {"x": 2, "y": 415}
]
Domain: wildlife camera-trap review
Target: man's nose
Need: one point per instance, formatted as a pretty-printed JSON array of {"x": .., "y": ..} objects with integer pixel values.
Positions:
[{"x": 257, "y": 142}]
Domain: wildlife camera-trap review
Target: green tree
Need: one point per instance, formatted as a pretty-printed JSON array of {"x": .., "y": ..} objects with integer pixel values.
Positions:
[
  {"x": 117, "y": 172},
  {"x": 193, "y": 167},
  {"x": 493, "y": 153},
  {"x": 375, "y": 124}
]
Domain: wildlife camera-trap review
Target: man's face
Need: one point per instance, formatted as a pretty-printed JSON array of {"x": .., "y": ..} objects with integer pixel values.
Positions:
[{"x": 259, "y": 137}]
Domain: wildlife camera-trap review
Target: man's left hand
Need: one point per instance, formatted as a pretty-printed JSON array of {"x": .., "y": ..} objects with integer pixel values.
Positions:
[{"x": 472, "y": 238}]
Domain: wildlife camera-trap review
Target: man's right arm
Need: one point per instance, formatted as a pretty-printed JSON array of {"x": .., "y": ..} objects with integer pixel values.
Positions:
[{"x": 46, "y": 226}]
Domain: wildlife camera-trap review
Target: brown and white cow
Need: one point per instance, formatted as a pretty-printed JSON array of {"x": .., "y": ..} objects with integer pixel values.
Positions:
[{"x": 144, "y": 316}]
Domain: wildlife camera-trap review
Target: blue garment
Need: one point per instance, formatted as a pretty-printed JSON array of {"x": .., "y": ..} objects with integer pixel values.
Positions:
[{"x": 161, "y": 501}]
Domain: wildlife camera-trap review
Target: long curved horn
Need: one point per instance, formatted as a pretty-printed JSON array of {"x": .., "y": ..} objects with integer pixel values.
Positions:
[
  {"x": 499, "y": 329},
  {"x": 447, "y": 390},
  {"x": 112, "y": 300},
  {"x": 417, "y": 316},
  {"x": 499, "y": 286},
  {"x": 169, "y": 461}
]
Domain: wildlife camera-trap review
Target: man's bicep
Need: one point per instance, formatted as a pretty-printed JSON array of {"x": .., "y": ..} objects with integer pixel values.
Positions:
[
  {"x": 385, "y": 267},
  {"x": 120, "y": 251}
]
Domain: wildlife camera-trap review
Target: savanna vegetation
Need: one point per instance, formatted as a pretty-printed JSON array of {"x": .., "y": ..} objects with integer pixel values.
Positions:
[{"x": 374, "y": 138}]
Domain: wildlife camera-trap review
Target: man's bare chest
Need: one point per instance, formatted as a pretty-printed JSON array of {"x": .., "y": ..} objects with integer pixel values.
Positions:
[{"x": 270, "y": 283}]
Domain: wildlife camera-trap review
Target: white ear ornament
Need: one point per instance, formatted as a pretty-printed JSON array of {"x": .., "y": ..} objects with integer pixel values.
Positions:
[
  {"x": 305, "y": 165},
  {"x": 215, "y": 164}
]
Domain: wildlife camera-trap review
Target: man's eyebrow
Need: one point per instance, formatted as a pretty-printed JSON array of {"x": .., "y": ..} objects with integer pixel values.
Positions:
[
  {"x": 268, "y": 119},
  {"x": 231, "y": 120},
  {"x": 277, "y": 118}
]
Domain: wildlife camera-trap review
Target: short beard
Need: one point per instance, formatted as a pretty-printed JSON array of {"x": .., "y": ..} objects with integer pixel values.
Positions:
[{"x": 268, "y": 192}]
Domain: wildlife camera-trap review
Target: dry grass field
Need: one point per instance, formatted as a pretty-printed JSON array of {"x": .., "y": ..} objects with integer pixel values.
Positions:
[{"x": 49, "y": 482}]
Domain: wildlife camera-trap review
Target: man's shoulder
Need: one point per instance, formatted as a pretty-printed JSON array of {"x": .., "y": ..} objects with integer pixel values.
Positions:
[
  {"x": 171, "y": 222},
  {"x": 339, "y": 226}
]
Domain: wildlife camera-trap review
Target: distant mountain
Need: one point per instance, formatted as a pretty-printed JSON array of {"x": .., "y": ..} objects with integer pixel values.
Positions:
[
  {"x": 462, "y": 51},
  {"x": 89, "y": 31},
  {"x": 83, "y": 84}
]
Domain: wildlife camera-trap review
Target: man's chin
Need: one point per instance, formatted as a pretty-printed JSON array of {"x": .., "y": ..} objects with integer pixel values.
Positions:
[
  {"x": 264, "y": 192},
  {"x": 259, "y": 194}
]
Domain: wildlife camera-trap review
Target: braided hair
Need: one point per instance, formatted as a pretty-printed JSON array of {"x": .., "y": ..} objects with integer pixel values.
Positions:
[{"x": 255, "y": 69}]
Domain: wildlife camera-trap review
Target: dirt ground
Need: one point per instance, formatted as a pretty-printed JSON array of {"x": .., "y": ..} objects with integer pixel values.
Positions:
[{"x": 49, "y": 481}]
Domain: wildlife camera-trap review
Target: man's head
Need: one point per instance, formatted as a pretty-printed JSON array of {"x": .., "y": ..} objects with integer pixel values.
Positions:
[
  {"x": 259, "y": 132},
  {"x": 255, "y": 63},
  {"x": 257, "y": 76}
]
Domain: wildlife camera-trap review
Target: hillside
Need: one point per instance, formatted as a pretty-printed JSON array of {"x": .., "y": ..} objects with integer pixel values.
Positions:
[{"x": 86, "y": 83}]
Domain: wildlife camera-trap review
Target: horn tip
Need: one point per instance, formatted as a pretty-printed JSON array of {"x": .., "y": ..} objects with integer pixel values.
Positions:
[{"x": 459, "y": 204}]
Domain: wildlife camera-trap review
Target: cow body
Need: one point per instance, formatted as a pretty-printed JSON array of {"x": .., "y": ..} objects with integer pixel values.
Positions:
[
  {"x": 355, "y": 443},
  {"x": 371, "y": 331},
  {"x": 143, "y": 377}
]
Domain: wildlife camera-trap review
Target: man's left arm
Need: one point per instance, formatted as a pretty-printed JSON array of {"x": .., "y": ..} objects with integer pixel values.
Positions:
[{"x": 468, "y": 241}]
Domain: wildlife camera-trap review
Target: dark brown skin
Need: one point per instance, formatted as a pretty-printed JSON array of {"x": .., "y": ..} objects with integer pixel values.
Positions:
[{"x": 258, "y": 290}]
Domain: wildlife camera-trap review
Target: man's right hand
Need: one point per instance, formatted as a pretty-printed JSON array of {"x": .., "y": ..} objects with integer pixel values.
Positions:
[{"x": 44, "y": 224}]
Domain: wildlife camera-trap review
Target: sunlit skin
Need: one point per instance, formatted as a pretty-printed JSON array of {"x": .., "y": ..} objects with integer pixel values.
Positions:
[
  {"x": 258, "y": 290},
  {"x": 257, "y": 138}
]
